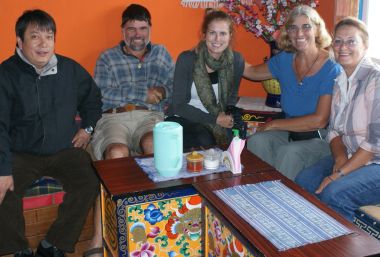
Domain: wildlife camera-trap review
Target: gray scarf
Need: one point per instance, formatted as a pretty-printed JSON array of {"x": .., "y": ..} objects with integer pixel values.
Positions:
[{"x": 224, "y": 66}]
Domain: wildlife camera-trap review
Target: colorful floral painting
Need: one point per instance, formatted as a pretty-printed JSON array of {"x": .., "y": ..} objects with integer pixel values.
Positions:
[
  {"x": 220, "y": 242},
  {"x": 171, "y": 227},
  {"x": 263, "y": 18}
]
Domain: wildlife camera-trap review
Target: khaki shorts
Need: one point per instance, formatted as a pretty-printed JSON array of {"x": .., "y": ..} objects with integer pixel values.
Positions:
[{"x": 125, "y": 128}]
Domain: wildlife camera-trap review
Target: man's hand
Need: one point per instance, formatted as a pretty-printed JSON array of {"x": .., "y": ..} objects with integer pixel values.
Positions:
[
  {"x": 155, "y": 95},
  {"x": 81, "y": 139},
  {"x": 6, "y": 183}
]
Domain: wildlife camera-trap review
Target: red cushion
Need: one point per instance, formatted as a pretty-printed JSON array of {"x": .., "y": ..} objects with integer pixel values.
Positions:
[{"x": 33, "y": 202}]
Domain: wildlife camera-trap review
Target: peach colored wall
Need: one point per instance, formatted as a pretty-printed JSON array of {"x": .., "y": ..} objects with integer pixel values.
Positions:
[{"x": 87, "y": 27}]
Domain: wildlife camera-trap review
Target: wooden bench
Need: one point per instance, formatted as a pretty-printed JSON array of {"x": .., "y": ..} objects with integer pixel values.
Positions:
[{"x": 41, "y": 210}]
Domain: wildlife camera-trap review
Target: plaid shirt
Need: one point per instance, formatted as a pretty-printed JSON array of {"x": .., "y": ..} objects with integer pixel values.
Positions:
[
  {"x": 125, "y": 79},
  {"x": 355, "y": 112}
]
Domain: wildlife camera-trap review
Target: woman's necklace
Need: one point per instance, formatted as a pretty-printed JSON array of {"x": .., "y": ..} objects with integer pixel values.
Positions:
[{"x": 300, "y": 78}]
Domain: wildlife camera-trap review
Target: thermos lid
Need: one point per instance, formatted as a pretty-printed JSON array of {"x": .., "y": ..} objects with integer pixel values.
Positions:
[{"x": 167, "y": 126}]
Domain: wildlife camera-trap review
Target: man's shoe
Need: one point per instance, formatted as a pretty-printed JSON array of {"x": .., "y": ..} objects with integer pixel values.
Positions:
[
  {"x": 25, "y": 253},
  {"x": 51, "y": 251}
]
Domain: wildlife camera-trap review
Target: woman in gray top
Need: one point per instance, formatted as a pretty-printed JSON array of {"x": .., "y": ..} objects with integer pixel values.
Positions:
[{"x": 206, "y": 80}]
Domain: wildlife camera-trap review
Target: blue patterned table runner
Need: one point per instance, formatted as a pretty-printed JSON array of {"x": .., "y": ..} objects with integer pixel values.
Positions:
[
  {"x": 281, "y": 215},
  {"x": 147, "y": 165}
]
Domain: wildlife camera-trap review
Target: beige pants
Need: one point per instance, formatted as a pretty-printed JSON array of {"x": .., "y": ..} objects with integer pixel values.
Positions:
[{"x": 125, "y": 128}]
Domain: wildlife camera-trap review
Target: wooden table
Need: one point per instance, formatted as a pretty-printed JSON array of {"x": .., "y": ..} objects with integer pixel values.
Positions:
[
  {"x": 124, "y": 177},
  {"x": 356, "y": 244},
  {"x": 127, "y": 193}
]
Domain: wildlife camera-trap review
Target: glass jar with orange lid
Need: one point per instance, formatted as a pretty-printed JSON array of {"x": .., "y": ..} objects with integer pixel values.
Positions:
[{"x": 194, "y": 162}]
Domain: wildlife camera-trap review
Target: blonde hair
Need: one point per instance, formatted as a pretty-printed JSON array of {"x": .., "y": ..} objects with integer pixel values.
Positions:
[
  {"x": 322, "y": 37},
  {"x": 358, "y": 24}
]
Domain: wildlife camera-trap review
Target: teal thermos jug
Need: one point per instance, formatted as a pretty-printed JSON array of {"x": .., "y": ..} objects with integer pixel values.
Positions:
[{"x": 167, "y": 148}]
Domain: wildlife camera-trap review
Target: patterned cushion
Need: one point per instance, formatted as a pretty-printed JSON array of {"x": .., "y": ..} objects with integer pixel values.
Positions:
[
  {"x": 368, "y": 219},
  {"x": 43, "y": 186},
  {"x": 43, "y": 192}
]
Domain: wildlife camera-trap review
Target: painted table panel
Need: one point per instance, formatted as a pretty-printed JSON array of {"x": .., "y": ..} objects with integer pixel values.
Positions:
[
  {"x": 157, "y": 224},
  {"x": 220, "y": 241}
]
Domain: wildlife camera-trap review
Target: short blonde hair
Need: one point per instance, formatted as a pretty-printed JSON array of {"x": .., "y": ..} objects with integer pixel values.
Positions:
[
  {"x": 358, "y": 24},
  {"x": 322, "y": 37}
]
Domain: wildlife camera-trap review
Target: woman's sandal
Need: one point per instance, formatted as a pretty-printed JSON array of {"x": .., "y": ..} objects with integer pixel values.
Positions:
[{"x": 92, "y": 251}]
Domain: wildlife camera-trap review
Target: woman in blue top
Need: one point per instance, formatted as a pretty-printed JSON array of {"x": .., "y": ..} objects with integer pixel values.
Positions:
[{"x": 306, "y": 75}]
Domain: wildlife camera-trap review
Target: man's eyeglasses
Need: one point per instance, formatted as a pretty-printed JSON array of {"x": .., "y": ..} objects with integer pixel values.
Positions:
[
  {"x": 292, "y": 29},
  {"x": 348, "y": 43}
]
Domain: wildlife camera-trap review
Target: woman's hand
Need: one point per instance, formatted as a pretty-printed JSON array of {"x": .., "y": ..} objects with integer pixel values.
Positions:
[
  {"x": 267, "y": 126},
  {"x": 358, "y": 159},
  {"x": 326, "y": 181},
  {"x": 339, "y": 162},
  {"x": 224, "y": 120},
  {"x": 339, "y": 152}
]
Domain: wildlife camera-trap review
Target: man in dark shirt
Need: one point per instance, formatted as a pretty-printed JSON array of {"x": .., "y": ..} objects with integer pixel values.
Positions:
[{"x": 40, "y": 94}]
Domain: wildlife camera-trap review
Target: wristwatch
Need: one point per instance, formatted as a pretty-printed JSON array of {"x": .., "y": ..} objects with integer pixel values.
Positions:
[
  {"x": 340, "y": 172},
  {"x": 89, "y": 130}
]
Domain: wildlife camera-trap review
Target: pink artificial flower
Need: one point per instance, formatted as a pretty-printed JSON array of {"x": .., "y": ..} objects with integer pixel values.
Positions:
[{"x": 272, "y": 16}]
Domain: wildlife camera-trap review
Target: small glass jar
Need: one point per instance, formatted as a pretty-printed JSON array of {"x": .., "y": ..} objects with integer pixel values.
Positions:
[
  {"x": 212, "y": 159},
  {"x": 194, "y": 162}
]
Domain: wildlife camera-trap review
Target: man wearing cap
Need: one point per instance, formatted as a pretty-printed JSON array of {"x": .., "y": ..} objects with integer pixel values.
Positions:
[{"x": 135, "y": 78}]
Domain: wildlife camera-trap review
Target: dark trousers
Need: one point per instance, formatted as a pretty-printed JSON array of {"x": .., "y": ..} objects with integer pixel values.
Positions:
[
  {"x": 73, "y": 169},
  {"x": 194, "y": 134}
]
